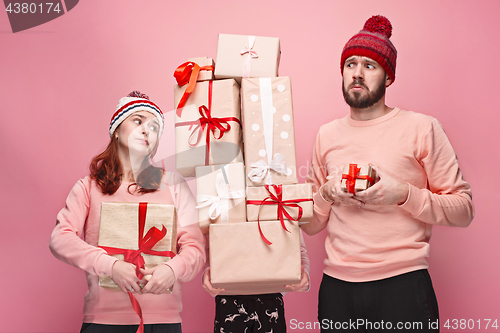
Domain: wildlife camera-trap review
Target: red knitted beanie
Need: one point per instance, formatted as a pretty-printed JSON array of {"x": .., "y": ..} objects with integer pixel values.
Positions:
[{"x": 373, "y": 42}]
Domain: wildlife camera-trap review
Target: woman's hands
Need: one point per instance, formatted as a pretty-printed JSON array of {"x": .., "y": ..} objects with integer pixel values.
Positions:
[
  {"x": 162, "y": 278},
  {"x": 124, "y": 275}
]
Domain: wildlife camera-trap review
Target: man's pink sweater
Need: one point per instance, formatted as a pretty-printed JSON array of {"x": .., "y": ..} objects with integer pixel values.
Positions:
[
  {"x": 74, "y": 241},
  {"x": 377, "y": 242}
]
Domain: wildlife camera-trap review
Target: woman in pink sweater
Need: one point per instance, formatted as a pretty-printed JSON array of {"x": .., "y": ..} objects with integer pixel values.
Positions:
[{"x": 123, "y": 173}]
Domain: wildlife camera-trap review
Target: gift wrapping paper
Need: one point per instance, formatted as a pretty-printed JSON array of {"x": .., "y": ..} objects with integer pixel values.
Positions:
[
  {"x": 216, "y": 119},
  {"x": 240, "y": 56},
  {"x": 220, "y": 194},
  {"x": 119, "y": 228},
  {"x": 204, "y": 75},
  {"x": 356, "y": 177},
  {"x": 274, "y": 202},
  {"x": 268, "y": 131},
  {"x": 243, "y": 264}
]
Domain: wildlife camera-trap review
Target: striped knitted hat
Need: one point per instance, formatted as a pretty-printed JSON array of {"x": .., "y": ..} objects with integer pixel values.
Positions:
[
  {"x": 135, "y": 101},
  {"x": 373, "y": 42}
]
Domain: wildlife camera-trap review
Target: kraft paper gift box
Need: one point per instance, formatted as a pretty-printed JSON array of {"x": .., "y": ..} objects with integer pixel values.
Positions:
[
  {"x": 204, "y": 75},
  {"x": 243, "y": 264},
  {"x": 211, "y": 104},
  {"x": 240, "y": 56},
  {"x": 357, "y": 177},
  {"x": 120, "y": 228},
  {"x": 220, "y": 194},
  {"x": 268, "y": 131},
  {"x": 262, "y": 202}
]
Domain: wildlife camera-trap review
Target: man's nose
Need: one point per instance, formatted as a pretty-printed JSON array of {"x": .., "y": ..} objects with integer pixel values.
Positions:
[{"x": 358, "y": 73}]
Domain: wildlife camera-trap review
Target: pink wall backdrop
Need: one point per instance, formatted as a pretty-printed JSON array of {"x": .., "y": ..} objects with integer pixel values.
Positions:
[{"x": 60, "y": 83}]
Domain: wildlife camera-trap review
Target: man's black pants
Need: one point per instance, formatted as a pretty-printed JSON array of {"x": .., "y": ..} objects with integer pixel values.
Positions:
[{"x": 401, "y": 303}]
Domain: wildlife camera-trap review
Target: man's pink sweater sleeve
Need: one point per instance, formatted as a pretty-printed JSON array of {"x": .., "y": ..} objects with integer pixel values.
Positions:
[
  {"x": 66, "y": 241},
  {"x": 448, "y": 200},
  {"x": 190, "y": 241}
]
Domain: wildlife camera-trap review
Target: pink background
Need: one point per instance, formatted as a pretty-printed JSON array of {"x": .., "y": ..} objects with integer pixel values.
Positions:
[{"x": 60, "y": 83}]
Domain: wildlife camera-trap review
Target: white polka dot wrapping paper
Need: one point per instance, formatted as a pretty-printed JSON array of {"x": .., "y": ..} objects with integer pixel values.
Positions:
[{"x": 268, "y": 131}]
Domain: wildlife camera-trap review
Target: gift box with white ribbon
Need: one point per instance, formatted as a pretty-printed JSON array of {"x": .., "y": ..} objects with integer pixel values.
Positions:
[
  {"x": 268, "y": 131},
  {"x": 220, "y": 194}
]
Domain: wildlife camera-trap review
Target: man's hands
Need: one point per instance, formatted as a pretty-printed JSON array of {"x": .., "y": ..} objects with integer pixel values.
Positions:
[
  {"x": 207, "y": 285},
  {"x": 125, "y": 277},
  {"x": 387, "y": 191},
  {"x": 332, "y": 192}
]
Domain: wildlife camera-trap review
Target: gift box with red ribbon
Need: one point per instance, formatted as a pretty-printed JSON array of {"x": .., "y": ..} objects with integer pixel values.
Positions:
[
  {"x": 220, "y": 194},
  {"x": 191, "y": 72},
  {"x": 144, "y": 234},
  {"x": 268, "y": 131},
  {"x": 243, "y": 264},
  {"x": 207, "y": 68},
  {"x": 278, "y": 202},
  {"x": 357, "y": 178},
  {"x": 208, "y": 127},
  {"x": 240, "y": 56}
]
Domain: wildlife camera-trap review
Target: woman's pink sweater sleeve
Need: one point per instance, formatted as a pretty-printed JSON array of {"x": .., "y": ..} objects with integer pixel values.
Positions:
[
  {"x": 191, "y": 243},
  {"x": 66, "y": 241}
]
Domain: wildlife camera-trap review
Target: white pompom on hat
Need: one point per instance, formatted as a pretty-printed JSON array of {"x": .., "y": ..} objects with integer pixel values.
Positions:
[{"x": 135, "y": 101}]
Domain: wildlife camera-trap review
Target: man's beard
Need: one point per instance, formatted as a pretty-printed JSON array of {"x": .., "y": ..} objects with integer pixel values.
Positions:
[{"x": 359, "y": 101}]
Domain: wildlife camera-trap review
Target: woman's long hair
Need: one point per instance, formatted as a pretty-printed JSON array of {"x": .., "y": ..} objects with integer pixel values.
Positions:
[{"x": 106, "y": 171}]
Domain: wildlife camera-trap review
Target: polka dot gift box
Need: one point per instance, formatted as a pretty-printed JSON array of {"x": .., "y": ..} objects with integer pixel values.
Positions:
[{"x": 268, "y": 131}]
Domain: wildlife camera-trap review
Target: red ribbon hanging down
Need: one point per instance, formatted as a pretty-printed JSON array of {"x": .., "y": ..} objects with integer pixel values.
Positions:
[
  {"x": 188, "y": 73},
  {"x": 146, "y": 243},
  {"x": 281, "y": 211},
  {"x": 212, "y": 124},
  {"x": 350, "y": 182}
]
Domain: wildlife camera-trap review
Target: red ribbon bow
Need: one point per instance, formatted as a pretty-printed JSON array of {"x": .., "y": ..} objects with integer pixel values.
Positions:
[
  {"x": 281, "y": 211},
  {"x": 146, "y": 243},
  {"x": 188, "y": 73},
  {"x": 212, "y": 124},
  {"x": 350, "y": 182}
]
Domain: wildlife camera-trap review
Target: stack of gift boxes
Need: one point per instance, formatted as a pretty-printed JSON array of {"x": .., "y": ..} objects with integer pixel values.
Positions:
[{"x": 250, "y": 204}]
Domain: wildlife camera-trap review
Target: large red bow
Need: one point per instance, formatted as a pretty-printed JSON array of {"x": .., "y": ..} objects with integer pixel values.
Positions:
[
  {"x": 277, "y": 199},
  {"x": 212, "y": 124},
  {"x": 146, "y": 243},
  {"x": 188, "y": 73},
  {"x": 351, "y": 177}
]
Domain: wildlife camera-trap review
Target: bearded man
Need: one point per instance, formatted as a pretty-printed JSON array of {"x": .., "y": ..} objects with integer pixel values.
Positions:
[{"x": 376, "y": 275}]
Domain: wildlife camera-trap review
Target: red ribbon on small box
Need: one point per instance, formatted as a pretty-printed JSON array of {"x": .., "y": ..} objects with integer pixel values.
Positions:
[
  {"x": 146, "y": 243},
  {"x": 188, "y": 73},
  {"x": 281, "y": 211},
  {"x": 212, "y": 124},
  {"x": 350, "y": 182}
]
